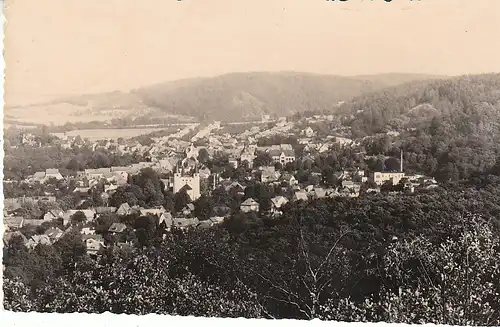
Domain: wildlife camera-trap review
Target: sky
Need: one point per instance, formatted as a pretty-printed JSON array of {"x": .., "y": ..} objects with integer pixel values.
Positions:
[{"x": 55, "y": 48}]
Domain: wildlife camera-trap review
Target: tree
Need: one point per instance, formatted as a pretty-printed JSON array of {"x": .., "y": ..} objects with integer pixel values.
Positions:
[
  {"x": 454, "y": 283},
  {"x": 203, "y": 207},
  {"x": 262, "y": 159},
  {"x": 78, "y": 217},
  {"x": 203, "y": 155},
  {"x": 181, "y": 199},
  {"x": 392, "y": 164}
]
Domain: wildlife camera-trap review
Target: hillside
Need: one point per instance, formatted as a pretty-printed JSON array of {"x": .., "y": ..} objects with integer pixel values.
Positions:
[
  {"x": 235, "y": 96},
  {"x": 471, "y": 98},
  {"x": 249, "y": 95},
  {"x": 393, "y": 79},
  {"x": 449, "y": 128}
]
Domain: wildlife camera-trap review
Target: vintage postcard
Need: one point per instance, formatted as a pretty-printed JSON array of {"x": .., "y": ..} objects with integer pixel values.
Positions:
[{"x": 304, "y": 160}]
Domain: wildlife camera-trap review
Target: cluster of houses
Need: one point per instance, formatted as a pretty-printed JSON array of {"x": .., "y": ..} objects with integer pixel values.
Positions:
[
  {"x": 86, "y": 224},
  {"x": 179, "y": 160}
]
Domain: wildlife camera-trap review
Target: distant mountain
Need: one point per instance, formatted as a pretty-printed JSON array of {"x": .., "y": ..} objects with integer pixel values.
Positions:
[{"x": 230, "y": 97}]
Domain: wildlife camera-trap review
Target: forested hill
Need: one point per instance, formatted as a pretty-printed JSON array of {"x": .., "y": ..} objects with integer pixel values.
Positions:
[
  {"x": 469, "y": 103},
  {"x": 449, "y": 128},
  {"x": 247, "y": 95}
]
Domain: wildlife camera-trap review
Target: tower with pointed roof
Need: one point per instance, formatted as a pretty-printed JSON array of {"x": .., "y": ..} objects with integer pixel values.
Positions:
[{"x": 188, "y": 180}]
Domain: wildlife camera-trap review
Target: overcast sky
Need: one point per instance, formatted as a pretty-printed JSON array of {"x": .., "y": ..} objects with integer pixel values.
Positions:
[{"x": 62, "y": 47}]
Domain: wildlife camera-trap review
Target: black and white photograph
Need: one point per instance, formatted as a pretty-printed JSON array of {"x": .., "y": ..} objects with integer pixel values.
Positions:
[{"x": 269, "y": 159}]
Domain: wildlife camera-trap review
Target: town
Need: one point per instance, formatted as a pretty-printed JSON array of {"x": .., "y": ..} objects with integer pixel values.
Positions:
[{"x": 196, "y": 178}]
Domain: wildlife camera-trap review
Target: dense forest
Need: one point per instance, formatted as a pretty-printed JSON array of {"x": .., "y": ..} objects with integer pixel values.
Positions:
[
  {"x": 428, "y": 257},
  {"x": 448, "y": 128}
]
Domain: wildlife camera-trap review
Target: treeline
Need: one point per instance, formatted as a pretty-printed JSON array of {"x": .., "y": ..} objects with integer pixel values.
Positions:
[{"x": 430, "y": 258}]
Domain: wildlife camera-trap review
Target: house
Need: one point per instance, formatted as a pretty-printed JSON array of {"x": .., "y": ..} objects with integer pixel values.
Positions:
[
  {"x": 82, "y": 191},
  {"x": 184, "y": 223},
  {"x": 233, "y": 162},
  {"x": 37, "y": 239},
  {"x": 93, "y": 243},
  {"x": 87, "y": 231},
  {"x": 308, "y": 132},
  {"x": 13, "y": 223},
  {"x": 54, "y": 233},
  {"x": 348, "y": 192},
  {"x": 53, "y": 173},
  {"x": 300, "y": 196},
  {"x": 39, "y": 176},
  {"x": 119, "y": 177},
  {"x": 120, "y": 169},
  {"x": 123, "y": 210},
  {"x": 53, "y": 214},
  {"x": 348, "y": 184},
  {"x": 117, "y": 228},
  {"x": 289, "y": 179},
  {"x": 331, "y": 193},
  {"x": 380, "y": 178},
  {"x": 205, "y": 224},
  {"x": 304, "y": 140},
  {"x": 248, "y": 155},
  {"x": 235, "y": 187},
  {"x": 110, "y": 188},
  {"x": 166, "y": 183},
  {"x": 249, "y": 205},
  {"x": 204, "y": 172},
  {"x": 157, "y": 211},
  {"x": 276, "y": 204},
  {"x": 309, "y": 188},
  {"x": 98, "y": 174},
  {"x": 8, "y": 236},
  {"x": 166, "y": 164},
  {"x": 319, "y": 193},
  {"x": 104, "y": 210},
  {"x": 165, "y": 220},
  {"x": 269, "y": 175},
  {"x": 217, "y": 220},
  {"x": 188, "y": 209},
  {"x": 372, "y": 190},
  {"x": 33, "y": 222},
  {"x": 282, "y": 156}
]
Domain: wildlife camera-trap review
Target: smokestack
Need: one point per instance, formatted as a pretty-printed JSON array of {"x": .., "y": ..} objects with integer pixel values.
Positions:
[{"x": 401, "y": 162}]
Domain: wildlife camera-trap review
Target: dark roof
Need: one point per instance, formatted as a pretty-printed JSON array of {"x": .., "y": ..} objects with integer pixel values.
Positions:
[
  {"x": 117, "y": 227},
  {"x": 186, "y": 187},
  {"x": 278, "y": 152}
]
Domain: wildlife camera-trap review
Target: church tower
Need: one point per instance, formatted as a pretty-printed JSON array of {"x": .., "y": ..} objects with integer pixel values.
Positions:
[{"x": 191, "y": 179}]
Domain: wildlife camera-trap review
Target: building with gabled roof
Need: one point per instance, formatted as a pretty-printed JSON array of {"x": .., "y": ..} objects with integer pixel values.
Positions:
[
  {"x": 300, "y": 196},
  {"x": 38, "y": 239},
  {"x": 53, "y": 214},
  {"x": 117, "y": 228},
  {"x": 8, "y": 236},
  {"x": 54, "y": 233},
  {"x": 249, "y": 205},
  {"x": 124, "y": 209},
  {"x": 93, "y": 243}
]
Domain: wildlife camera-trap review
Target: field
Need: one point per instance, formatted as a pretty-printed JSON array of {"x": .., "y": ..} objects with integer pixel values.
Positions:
[{"x": 109, "y": 133}]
